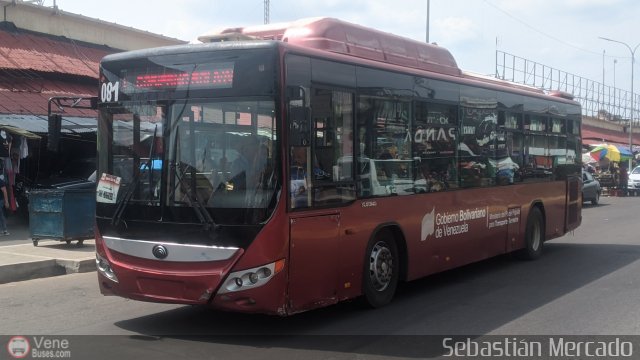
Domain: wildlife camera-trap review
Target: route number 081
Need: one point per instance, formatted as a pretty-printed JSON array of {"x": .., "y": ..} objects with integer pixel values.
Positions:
[{"x": 109, "y": 91}]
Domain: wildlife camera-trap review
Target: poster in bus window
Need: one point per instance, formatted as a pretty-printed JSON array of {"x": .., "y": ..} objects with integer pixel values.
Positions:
[
  {"x": 435, "y": 131},
  {"x": 477, "y": 146},
  {"x": 478, "y": 131},
  {"x": 434, "y": 140},
  {"x": 107, "y": 189}
]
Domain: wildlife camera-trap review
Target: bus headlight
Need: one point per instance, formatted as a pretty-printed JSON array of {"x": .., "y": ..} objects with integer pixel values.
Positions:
[
  {"x": 105, "y": 269},
  {"x": 251, "y": 278}
]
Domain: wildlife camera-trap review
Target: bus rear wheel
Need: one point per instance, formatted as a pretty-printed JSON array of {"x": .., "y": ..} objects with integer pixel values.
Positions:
[
  {"x": 534, "y": 236},
  {"x": 381, "y": 270}
]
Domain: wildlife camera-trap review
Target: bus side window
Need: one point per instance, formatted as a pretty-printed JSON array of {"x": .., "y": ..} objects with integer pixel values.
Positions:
[
  {"x": 299, "y": 151},
  {"x": 332, "y": 121}
]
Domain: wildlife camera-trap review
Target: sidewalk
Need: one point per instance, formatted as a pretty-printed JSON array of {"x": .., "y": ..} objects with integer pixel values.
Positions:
[{"x": 20, "y": 260}]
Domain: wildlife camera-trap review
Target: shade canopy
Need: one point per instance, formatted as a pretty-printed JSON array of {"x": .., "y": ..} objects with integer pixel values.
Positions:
[{"x": 611, "y": 152}]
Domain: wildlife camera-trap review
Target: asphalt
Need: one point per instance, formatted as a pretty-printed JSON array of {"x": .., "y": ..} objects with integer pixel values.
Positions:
[{"x": 20, "y": 260}]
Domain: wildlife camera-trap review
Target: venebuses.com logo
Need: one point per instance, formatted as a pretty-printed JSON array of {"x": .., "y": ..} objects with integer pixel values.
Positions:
[{"x": 44, "y": 347}]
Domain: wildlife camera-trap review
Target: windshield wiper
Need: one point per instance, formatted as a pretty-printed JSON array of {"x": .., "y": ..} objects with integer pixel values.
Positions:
[
  {"x": 192, "y": 200},
  {"x": 126, "y": 198}
]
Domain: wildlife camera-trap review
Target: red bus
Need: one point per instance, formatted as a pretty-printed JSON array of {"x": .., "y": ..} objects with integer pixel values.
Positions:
[{"x": 282, "y": 168}]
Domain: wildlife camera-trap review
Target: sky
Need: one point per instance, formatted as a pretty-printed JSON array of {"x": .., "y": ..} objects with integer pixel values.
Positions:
[{"x": 562, "y": 34}]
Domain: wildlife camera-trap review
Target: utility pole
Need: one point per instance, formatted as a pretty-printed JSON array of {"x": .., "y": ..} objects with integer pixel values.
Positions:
[
  {"x": 603, "y": 102},
  {"x": 633, "y": 60},
  {"x": 603, "y": 52},
  {"x": 615, "y": 105},
  {"x": 428, "y": 9},
  {"x": 266, "y": 11}
]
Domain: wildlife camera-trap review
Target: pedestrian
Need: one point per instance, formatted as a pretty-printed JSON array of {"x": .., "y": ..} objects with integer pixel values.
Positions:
[
  {"x": 3, "y": 220},
  {"x": 624, "y": 179}
]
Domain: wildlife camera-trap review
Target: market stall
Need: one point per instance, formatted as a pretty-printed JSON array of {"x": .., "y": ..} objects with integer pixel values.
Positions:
[{"x": 611, "y": 167}]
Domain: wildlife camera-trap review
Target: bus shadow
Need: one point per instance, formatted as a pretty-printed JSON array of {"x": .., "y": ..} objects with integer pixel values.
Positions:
[{"x": 473, "y": 300}]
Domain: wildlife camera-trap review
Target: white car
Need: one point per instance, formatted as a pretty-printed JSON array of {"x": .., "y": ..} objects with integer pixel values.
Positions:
[{"x": 634, "y": 181}]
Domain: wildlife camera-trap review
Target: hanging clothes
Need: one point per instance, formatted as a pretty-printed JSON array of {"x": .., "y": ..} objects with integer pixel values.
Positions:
[
  {"x": 24, "y": 148},
  {"x": 5, "y": 144},
  {"x": 10, "y": 180}
]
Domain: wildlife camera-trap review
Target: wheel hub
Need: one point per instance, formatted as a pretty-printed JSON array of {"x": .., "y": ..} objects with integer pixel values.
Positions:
[{"x": 380, "y": 266}]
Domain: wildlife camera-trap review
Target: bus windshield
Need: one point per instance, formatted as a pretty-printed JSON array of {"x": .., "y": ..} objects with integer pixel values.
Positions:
[{"x": 196, "y": 160}]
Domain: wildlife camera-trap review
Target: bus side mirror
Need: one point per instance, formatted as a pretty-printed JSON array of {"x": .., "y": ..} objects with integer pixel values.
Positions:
[{"x": 55, "y": 132}]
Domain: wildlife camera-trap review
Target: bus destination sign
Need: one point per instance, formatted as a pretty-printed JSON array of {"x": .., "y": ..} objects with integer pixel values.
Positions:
[
  {"x": 209, "y": 76},
  {"x": 220, "y": 78}
]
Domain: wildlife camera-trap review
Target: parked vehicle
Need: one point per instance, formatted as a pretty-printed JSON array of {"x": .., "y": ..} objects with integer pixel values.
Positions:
[
  {"x": 591, "y": 189},
  {"x": 634, "y": 181}
]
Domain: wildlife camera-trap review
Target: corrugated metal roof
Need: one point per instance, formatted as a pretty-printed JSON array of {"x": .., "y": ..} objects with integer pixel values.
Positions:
[
  {"x": 27, "y": 51},
  {"x": 30, "y": 97},
  {"x": 35, "y": 67},
  {"x": 39, "y": 125}
]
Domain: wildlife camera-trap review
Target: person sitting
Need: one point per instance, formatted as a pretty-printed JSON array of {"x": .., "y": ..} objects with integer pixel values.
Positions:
[{"x": 247, "y": 167}]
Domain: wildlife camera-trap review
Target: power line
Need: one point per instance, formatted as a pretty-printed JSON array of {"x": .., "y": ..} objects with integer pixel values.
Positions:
[{"x": 544, "y": 33}]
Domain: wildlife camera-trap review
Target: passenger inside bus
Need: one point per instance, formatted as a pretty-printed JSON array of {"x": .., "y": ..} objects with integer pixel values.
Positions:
[{"x": 248, "y": 168}]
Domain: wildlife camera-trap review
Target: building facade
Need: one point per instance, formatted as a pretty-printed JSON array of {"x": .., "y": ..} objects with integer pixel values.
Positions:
[{"x": 48, "y": 53}]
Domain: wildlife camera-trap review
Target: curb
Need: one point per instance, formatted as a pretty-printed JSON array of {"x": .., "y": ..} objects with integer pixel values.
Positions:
[
  {"x": 44, "y": 268},
  {"x": 77, "y": 266}
]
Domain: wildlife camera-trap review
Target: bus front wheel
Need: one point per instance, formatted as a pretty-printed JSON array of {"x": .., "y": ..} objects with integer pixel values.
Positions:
[
  {"x": 534, "y": 236},
  {"x": 381, "y": 270}
]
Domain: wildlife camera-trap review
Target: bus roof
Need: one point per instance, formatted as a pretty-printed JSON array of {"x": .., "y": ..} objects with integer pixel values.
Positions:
[{"x": 339, "y": 36}]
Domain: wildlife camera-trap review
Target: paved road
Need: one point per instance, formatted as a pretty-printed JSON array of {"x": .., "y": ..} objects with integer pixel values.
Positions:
[
  {"x": 18, "y": 231},
  {"x": 586, "y": 283}
]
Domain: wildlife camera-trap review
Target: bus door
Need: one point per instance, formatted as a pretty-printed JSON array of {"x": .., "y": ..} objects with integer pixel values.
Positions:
[
  {"x": 314, "y": 266},
  {"x": 320, "y": 186}
]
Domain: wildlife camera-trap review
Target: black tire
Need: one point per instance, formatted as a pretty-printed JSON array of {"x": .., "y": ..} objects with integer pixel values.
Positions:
[
  {"x": 68, "y": 242},
  {"x": 533, "y": 237},
  {"x": 596, "y": 199},
  {"x": 381, "y": 270}
]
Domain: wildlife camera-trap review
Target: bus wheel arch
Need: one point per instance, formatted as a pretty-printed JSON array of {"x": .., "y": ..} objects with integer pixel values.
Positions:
[
  {"x": 534, "y": 235},
  {"x": 384, "y": 266}
]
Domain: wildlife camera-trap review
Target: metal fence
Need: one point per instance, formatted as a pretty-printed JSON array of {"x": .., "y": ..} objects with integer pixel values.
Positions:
[{"x": 597, "y": 99}]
